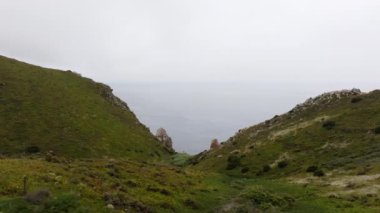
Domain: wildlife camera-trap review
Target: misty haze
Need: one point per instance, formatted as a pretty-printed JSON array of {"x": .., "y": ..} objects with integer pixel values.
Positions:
[{"x": 196, "y": 112}]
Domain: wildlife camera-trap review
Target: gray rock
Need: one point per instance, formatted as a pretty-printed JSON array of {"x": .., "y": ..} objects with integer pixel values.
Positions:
[{"x": 164, "y": 138}]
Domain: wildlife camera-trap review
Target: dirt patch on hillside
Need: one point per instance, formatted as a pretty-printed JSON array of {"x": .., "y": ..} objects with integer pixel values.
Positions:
[
  {"x": 359, "y": 184},
  {"x": 294, "y": 128}
]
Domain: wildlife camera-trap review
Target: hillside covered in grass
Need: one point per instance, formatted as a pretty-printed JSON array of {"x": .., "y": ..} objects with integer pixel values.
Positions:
[
  {"x": 331, "y": 142},
  {"x": 127, "y": 186},
  {"x": 45, "y": 110},
  {"x": 67, "y": 144},
  {"x": 338, "y": 130}
]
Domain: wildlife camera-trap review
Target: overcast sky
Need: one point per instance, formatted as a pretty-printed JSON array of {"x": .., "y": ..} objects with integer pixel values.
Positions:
[{"x": 279, "y": 42}]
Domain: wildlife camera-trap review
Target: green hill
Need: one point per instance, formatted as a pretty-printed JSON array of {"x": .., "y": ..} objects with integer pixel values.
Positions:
[
  {"x": 332, "y": 131},
  {"x": 44, "y": 109},
  {"x": 331, "y": 142},
  {"x": 68, "y": 145}
]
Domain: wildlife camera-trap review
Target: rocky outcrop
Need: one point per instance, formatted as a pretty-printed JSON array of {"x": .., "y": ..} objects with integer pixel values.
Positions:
[
  {"x": 214, "y": 144},
  {"x": 320, "y": 101},
  {"x": 106, "y": 92},
  {"x": 327, "y": 98},
  {"x": 164, "y": 138}
]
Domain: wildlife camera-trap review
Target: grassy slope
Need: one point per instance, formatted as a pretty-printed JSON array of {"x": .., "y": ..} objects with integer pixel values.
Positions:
[
  {"x": 304, "y": 142},
  {"x": 89, "y": 185},
  {"x": 349, "y": 153},
  {"x": 66, "y": 113}
]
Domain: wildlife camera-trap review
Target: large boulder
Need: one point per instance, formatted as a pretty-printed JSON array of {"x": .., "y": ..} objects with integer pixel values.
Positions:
[
  {"x": 164, "y": 138},
  {"x": 214, "y": 144}
]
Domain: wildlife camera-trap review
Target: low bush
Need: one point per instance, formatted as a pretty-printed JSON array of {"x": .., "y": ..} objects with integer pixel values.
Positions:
[
  {"x": 32, "y": 149},
  {"x": 282, "y": 164},
  {"x": 131, "y": 183},
  {"x": 37, "y": 197},
  {"x": 245, "y": 170},
  {"x": 167, "y": 206},
  {"x": 329, "y": 125},
  {"x": 180, "y": 159},
  {"x": 165, "y": 192},
  {"x": 191, "y": 204},
  {"x": 265, "y": 200},
  {"x": 377, "y": 130},
  {"x": 266, "y": 168},
  {"x": 123, "y": 201},
  {"x": 319, "y": 173},
  {"x": 17, "y": 205},
  {"x": 356, "y": 100},
  {"x": 64, "y": 203},
  {"x": 233, "y": 162},
  {"x": 61, "y": 203},
  {"x": 312, "y": 169}
]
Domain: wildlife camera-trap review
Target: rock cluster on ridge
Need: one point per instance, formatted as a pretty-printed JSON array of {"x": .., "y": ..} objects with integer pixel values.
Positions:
[
  {"x": 327, "y": 98},
  {"x": 164, "y": 138},
  {"x": 214, "y": 144}
]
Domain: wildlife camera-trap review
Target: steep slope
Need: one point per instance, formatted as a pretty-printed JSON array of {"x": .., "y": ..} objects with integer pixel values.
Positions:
[
  {"x": 331, "y": 143},
  {"x": 44, "y": 109},
  {"x": 335, "y": 132}
]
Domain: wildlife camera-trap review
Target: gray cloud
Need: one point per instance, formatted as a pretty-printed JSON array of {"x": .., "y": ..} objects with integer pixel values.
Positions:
[{"x": 196, "y": 40}]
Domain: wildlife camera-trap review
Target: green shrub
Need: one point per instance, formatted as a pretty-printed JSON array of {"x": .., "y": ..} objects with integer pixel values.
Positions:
[
  {"x": 312, "y": 169},
  {"x": 38, "y": 196},
  {"x": 63, "y": 203},
  {"x": 191, "y": 204},
  {"x": 17, "y": 205},
  {"x": 32, "y": 149},
  {"x": 167, "y": 206},
  {"x": 123, "y": 201},
  {"x": 245, "y": 170},
  {"x": 356, "y": 100},
  {"x": 329, "y": 125},
  {"x": 180, "y": 159},
  {"x": 377, "y": 130},
  {"x": 264, "y": 199},
  {"x": 165, "y": 192},
  {"x": 266, "y": 168},
  {"x": 282, "y": 164},
  {"x": 131, "y": 184},
  {"x": 234, "y": 161},
  {"x": 319, "y": 173}
]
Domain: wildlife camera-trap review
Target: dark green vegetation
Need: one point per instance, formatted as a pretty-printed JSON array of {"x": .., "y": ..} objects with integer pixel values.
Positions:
[
  {"x": 233, "y": 162},
  {"x": 68, "y": 145},
  {"x": 94, "y": 184},
  {"x": 180, "y": 159},
  {"x": 44, "y": 109}
]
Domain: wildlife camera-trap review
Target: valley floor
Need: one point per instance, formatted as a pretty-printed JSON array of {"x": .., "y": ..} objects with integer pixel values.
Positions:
[{"x": 108, "y": 185}]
